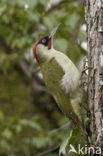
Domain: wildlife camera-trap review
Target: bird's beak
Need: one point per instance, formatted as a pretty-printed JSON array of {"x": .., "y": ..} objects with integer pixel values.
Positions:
[{"x": 53, "y": 32}]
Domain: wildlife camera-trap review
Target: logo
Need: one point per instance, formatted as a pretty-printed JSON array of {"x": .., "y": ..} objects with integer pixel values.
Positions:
[{"x": 85, "y": 150}]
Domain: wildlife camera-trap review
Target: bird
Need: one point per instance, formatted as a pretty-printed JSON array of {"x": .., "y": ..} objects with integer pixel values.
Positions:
[{"x": 61, "y": 77}]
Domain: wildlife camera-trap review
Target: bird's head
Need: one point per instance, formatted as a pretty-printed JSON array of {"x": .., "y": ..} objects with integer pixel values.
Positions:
[{"x": 44, "y": 43}]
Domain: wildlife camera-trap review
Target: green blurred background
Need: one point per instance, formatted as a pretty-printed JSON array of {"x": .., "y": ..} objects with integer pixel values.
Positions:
[{"x": 28, "y": 114}]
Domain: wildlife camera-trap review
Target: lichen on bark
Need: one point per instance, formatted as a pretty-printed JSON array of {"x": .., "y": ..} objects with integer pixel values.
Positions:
[{"x": 94, "y": 19}]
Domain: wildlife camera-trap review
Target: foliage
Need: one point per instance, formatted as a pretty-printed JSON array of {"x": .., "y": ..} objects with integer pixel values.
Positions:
[{"x": 27, "y": 112}]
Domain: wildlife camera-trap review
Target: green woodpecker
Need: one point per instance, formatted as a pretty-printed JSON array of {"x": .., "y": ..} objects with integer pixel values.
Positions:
[{"x": 61, "y": 77}]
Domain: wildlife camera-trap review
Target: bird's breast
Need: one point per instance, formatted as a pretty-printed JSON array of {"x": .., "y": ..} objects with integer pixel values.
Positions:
[{"x": 58, "y": 70}]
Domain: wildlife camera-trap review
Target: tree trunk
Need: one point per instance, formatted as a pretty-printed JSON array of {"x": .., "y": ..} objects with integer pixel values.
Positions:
[{"x": 94, "y": 19}]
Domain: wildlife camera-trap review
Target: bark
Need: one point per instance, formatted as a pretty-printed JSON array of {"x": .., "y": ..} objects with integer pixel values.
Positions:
[{"x": 94, "y": 19}]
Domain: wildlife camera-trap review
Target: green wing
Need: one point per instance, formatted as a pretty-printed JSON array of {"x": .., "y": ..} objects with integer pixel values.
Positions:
[{"x": 52, "y": 74}]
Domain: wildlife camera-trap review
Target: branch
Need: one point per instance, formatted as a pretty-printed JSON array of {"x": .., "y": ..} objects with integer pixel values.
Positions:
[
  {"x": 63, "y": 127},
  {"x": 48, "y": 151},
  {"x": 56, "y": 6}
]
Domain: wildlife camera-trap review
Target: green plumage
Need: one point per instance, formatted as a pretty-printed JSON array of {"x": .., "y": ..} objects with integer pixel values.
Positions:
[{"x": 52, "y": 65}]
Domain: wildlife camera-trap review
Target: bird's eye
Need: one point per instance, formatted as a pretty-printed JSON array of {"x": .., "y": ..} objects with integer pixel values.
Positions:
[{"x": 43, "y": 40}]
